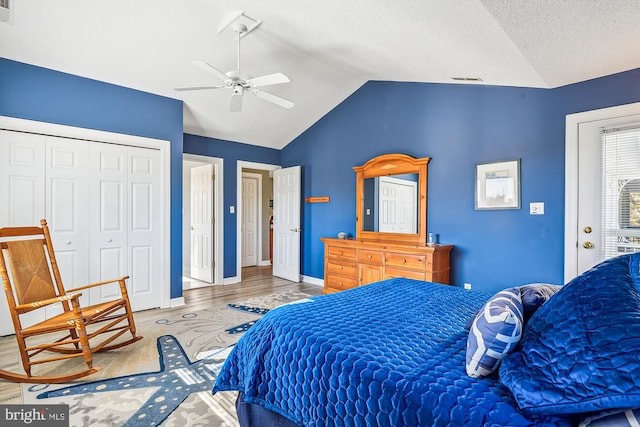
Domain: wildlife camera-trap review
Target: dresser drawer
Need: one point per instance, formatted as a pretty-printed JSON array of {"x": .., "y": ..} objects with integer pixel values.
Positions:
[
  {"x": 370, "y": 257},
  {"x": 390, "y": 273},
  {"x": 413, "y": 261},
  {"x": 339, "y": 283},
  {"x": 342, "y": 252},
  {"x": 347, "y": 269}
]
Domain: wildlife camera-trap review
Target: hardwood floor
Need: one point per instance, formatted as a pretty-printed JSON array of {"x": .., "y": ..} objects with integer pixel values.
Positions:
[{"x": 256, "y": 281}]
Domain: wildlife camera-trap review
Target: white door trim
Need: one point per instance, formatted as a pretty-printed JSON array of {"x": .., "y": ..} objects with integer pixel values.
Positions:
[
  {"x": 218, "y": 214},
  {"x": 571, "y": 177},
  {"x": 164, "y": 146},
  {"x": 241, "y": 164}
]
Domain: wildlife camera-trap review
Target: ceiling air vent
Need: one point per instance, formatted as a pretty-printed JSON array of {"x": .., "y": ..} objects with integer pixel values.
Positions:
[
  {"x": 5, "y": 10},
  {"x": 463, "y": 79}
]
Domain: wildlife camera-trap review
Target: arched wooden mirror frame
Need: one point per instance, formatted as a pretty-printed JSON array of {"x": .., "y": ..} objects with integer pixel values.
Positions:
[{"x": 393, "y": 164}]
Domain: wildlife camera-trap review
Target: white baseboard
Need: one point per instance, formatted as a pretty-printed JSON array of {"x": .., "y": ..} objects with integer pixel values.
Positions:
[
  {"x": 313, "y": 280},
  {"x": 264, "y": 263},
  {"x": 177, "y": 302},
  {"x": 230, "y": 280}
]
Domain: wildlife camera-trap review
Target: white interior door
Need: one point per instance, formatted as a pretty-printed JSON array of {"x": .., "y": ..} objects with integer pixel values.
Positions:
[
  {"x": 108, "y": 210},
  {"x": 286, "y": 223},
  {"x": 608, "y": 183},
  {"x": 250, "y": 219},
  {"x": 22, "y": 197},
  {"x": 22, "y": 186},
  {"x": 67, "y": 183},
  {"x": 202, "y": 223},
  {"x": 143, "y": 234},
  {"x": 397, "y": 205}
]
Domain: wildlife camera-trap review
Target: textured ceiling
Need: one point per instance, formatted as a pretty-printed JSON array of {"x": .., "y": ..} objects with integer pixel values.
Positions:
[{"x": 328, "y": 49}]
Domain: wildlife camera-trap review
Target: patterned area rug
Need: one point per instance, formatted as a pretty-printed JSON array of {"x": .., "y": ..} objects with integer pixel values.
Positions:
[{"x": 168, "y": 380}]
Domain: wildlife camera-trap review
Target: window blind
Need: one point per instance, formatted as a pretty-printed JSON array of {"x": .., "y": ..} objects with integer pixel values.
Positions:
[{"x": 621, "y": 190}]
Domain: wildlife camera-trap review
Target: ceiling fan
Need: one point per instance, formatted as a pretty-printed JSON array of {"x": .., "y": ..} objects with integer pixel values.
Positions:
[{"x": 241, "y": 83}]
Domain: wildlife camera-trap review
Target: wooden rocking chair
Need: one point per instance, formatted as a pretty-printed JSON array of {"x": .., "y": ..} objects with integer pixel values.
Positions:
[{"x": 32, "y": 281}]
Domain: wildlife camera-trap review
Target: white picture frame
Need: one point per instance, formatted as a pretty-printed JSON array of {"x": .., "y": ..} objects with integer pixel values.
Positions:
[{"x": 498, "y": 185}]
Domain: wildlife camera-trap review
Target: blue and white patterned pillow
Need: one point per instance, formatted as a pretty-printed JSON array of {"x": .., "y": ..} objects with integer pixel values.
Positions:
[
  {"x": 619, "y": 418},
  {"x": 495, "y": 332}
]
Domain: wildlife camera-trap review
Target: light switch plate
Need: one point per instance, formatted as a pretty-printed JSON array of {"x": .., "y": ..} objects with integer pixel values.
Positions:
[{"x": 536, "y": 208}]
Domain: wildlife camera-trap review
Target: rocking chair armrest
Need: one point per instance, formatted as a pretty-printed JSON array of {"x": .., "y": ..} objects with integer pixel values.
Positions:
[
  {"x": 38, "y": 304},
  {"x": 93, "y": 285}
]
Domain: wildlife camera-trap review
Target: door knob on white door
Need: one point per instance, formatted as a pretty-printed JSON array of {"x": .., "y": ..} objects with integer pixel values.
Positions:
[
  {"x": 296, "y": 230},
  {"x": 109, "y": 240},
  {"x": 68, "y": 242}
]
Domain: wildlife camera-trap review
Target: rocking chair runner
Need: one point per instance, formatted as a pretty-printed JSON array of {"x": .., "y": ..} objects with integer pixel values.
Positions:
[{"x": 32, "y": 281}]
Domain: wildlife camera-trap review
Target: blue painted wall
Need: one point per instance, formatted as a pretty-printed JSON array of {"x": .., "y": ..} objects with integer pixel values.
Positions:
[
  {"x": 231, "y": 152},
  {"x": 35, "y": 93},
  {"x": 457, "y": 126}
]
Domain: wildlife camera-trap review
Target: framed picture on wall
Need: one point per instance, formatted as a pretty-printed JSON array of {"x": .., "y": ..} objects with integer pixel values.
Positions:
[{"x": 498, "y": 185}]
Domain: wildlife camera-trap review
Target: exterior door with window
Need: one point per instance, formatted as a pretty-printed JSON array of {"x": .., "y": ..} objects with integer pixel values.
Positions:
[{"x": 608, "y": 189}]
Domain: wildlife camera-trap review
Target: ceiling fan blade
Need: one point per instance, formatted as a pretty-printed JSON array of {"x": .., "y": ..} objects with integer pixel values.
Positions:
[
  {"x": 284, "y": 103},
  {"x": 210, "y": 68},
  {"x": 236, "y": 102},
  {"x": 183, "y": 89},
  {"x": 269, "y": 79}
]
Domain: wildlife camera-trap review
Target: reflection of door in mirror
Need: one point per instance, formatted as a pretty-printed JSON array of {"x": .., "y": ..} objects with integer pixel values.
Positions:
[{"x": 390, "y": 204}]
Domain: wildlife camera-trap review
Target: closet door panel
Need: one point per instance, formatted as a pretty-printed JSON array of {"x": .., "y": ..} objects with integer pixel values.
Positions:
[
  {"x": 144, "y": 224},
  {"x": 22, "y": 187},
  {"x": 67, "y": 177},
  {"x": 22, "y": 197},
  {"x": 107, "y": 210}
]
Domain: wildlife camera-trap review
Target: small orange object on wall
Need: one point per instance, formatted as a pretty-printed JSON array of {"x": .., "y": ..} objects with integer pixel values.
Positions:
[{"x": 320, "y": 199}]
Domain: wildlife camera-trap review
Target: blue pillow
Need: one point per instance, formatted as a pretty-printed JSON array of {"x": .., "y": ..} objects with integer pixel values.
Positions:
[
  {"x": 534, "y": 295},
  {"x": 494, "y": 333},
  {"x": 620, "y": 418},
  {"x": 580, "y": 350}
]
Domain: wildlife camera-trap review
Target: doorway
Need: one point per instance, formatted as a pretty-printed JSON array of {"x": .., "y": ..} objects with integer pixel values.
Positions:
[
  {"x": 589, "y": 229},
  {"x": 263, "y": 211},
  {"x": 202, "y": 248},
  {"x": 252, "y": 222}
]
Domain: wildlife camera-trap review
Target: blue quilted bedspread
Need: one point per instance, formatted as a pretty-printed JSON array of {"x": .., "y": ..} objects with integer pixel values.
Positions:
[{"x": 387, "y": 354}]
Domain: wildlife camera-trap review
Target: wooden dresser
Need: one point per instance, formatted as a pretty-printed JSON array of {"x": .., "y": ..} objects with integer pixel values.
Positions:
[
  {"x": 391, "y": 229},
  {"x": 352, "y": 263}
]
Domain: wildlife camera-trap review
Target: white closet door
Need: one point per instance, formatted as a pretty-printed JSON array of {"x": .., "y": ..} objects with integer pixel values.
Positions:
[
  {"x": 108, "y": 218},
  {"x": 144, "y": 227},
  {"x": 67, "y": 209},
  {"x": 22, "y": 197},
  {"x": 22, "y": 179}
]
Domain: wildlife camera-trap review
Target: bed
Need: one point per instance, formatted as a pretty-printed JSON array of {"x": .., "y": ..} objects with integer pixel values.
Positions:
[{"x": 396, "y": 353}]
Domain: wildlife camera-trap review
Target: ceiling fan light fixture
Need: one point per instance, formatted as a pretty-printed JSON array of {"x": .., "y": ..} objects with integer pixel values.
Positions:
[{"x": 239, "y": 81}]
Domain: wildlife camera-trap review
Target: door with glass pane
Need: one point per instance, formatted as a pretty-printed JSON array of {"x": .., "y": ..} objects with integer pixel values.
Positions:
[{"x": 609, "y": 189}]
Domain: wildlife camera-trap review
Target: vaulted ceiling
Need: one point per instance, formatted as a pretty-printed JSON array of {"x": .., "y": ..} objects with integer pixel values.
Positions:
[{"x": 327, "y": 48}]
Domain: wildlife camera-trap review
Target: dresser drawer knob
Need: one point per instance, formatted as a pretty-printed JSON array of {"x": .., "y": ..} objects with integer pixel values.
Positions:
[
  {"x": 404, "y": 260},
  {"x": 341, "y": 267},
  {"x": 369, "y": 256}
]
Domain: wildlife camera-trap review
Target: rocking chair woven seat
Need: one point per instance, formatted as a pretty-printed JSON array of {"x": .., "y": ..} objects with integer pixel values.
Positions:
[{"x": 32, "y": 281}]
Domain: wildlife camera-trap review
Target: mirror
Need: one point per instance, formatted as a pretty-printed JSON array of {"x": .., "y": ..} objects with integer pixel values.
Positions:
[
  {"x": 391, "y": 199},
  {"x": 391, "y": 204}
]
